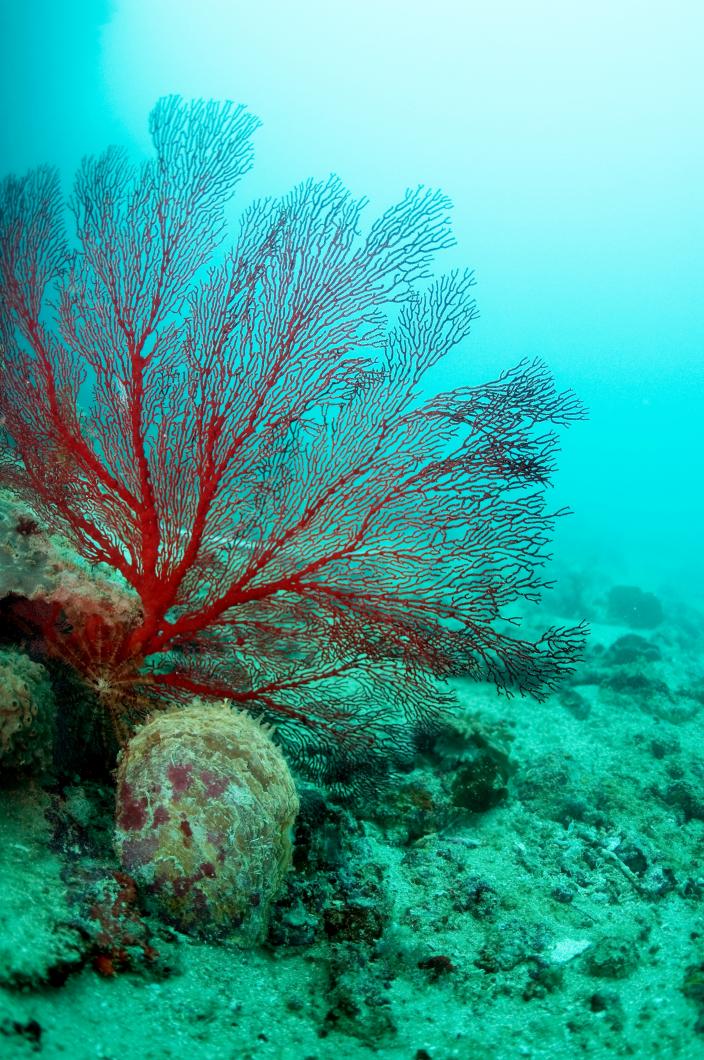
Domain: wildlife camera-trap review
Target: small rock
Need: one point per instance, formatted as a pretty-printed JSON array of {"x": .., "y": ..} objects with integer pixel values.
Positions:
[
  {"x": 613, "y": 957},
  {"x": 631, "y": 648},
  {"x": 628, "y": 605},
  {"x": 575, "y": 702}
]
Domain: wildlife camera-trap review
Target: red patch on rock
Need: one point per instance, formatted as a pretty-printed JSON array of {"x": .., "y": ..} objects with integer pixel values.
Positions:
[
  {"x": 208, "y": 869},
  {"x": 214, "y": 784},
  {"x": 180, "y": 778},
  {"x": 133, "y": 812},
  {"x": 161, "y": 816},
  {"x": 187, "y": 832},
  {"x": 182, "y": 885},
  {"x": 104, "y": 965}
]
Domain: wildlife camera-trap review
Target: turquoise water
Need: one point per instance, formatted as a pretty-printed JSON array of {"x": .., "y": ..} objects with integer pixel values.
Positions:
[{"x": 568, "y": 138}]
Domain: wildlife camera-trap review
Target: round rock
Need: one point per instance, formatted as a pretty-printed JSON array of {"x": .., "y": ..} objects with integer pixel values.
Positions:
[{"x": 205, "y": 809}]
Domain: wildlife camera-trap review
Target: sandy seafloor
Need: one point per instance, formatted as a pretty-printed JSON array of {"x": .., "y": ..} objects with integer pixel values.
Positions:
[{"x": 533, "y": 888}]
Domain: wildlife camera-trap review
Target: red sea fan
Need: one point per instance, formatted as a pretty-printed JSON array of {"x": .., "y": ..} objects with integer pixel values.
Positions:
[{"x": 246, "y": 440}]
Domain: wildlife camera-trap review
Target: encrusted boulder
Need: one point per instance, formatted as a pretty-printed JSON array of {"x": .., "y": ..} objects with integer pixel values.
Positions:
[
  {"x": 27, "y": 715},
  {"x": 205, "y": 809}
]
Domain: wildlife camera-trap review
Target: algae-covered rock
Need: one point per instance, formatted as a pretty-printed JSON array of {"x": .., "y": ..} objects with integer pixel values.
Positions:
[
  {"x": 632, "y": 648},
  {"x": 38, "y": 940},
  {"x": 28, "y": 556},
  {"x": 27, "y": 714},
  {"x": 205, "y": 807}
]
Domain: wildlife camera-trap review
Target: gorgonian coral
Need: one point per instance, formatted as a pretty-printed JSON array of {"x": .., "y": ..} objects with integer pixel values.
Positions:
[{"x": 245, "y": 438}]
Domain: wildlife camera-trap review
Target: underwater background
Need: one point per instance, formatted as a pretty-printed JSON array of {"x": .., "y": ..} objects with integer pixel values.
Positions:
[{"x": 568, "y": 137}]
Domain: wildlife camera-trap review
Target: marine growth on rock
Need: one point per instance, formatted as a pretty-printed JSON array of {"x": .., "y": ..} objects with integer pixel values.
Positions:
[{"x": 205, "y": 810}]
